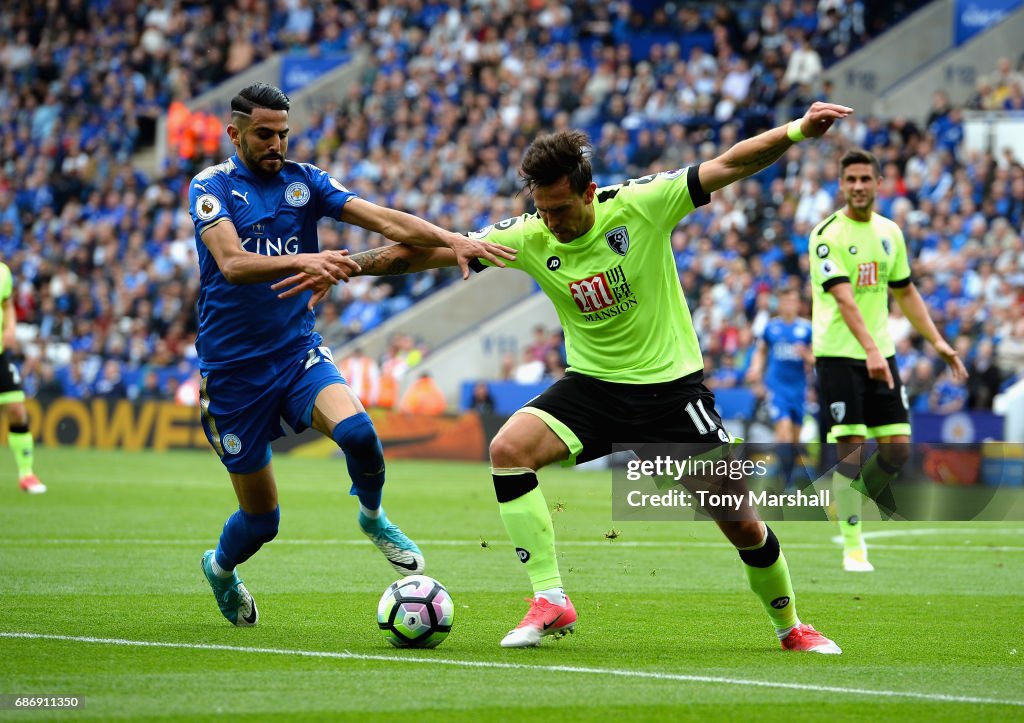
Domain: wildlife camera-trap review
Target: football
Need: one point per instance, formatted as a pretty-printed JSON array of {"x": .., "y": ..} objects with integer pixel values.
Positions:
[{"x": 415, "y": 612}]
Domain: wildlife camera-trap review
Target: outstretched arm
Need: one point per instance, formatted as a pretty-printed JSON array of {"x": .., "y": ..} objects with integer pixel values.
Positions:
[
  {"x": 408, "y": 229},
  {"x": 242, "y": 267},
  {"x": 390, "y": 260},
  {"x": 914, "y": 309},
  {"x": 754, "y": 154},
  {"x": 396, "y": 259}
]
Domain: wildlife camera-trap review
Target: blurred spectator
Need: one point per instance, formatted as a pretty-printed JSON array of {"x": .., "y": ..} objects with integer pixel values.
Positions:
[
  {"x": 920, "y": 384},
  {"x": 150, "y": 389},
  {"x": 111, "y": 384},
  {"x": 363, "y": 376},
  {"x": 482, "y": 402},
  {"x": 985, "y": 378},
  {"x": 947, "y": 395},
  {"x": 538, "y": 347},
  {"x": 423, "y": 397},
  {"x": 554, "y": 367},
  {"x": 530, "y": 370}
]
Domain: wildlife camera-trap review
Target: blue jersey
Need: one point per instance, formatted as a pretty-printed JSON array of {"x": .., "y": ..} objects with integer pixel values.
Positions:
[
  {"x": 273, "y": 217},
  {"x": 785, "y": 368}
]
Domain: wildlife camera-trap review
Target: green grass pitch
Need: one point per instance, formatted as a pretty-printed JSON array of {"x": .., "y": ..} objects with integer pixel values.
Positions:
[{"x": 108, "y": 560}]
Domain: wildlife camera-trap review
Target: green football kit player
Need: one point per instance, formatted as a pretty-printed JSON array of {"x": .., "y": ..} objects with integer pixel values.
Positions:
[
  {"x": 12, "y": 396},
  {"x": 856, "y": 257},
  {"x": 604, "y": 258}
]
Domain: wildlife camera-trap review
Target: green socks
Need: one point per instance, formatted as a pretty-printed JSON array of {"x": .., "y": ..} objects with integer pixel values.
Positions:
[
  {"x": 528, "y": 523},
  {"x": 768, "y": 575},
  {"x": 849, "y": 503},
  {"x": 22, "y": 446}
]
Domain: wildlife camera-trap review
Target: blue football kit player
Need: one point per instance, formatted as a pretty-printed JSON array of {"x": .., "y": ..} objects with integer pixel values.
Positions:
[
  {"x": 781, "y": 357},
  {"x": 255, "y": 217}
]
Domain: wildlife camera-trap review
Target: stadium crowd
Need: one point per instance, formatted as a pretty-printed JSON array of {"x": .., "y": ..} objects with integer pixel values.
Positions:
[{"x": 104, "y": 258}]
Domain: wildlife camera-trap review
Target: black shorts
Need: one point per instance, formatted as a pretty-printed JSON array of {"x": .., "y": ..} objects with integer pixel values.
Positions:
[
  {"x": 10, "y": 380},
  {"x": 853, "y": 404},
  {"x": 590, "y": 415}
]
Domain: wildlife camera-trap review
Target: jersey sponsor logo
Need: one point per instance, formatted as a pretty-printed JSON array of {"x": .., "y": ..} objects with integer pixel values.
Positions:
[
  {"x": 618, "y": 240},
  {"x": 786, "y": 351},
  {"x": 207, "y": 206},
  {"x": 603, "y": 296},
  {"x": 232, "y": 444},
  {"x": 838, "y": 411},
  {"x": 336, "y": 184},
  {"x": 822, "y": 250},
  {"x": 554, "y": 263},
  {"x": 244, "y": 197},
  {"x": 591, "y": 294},
  {"x": 853, "y": 250},
  {"x": 266, "y": 246},
  {"x": 297, "y": 194},
  {"x": 887, "y": 246},
  {"x": 867, "y": 274}
]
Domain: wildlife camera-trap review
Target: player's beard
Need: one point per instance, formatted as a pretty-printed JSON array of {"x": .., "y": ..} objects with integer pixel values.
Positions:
[
  {"x": 255, "y": 164},
  {"x": 861, "y": 203}
]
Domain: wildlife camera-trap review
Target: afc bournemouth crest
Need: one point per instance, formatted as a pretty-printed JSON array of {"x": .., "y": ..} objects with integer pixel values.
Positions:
[
  {"x": 838, "y": 410},
  {"x": 618, "y": 240}
]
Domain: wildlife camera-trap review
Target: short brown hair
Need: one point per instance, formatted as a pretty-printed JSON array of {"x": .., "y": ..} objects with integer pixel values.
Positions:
[
  {"x": 556, "y": 155},
  {"x": 859, "y": 155}
]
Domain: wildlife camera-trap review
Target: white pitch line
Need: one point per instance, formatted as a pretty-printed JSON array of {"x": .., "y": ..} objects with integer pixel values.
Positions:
[
  {"x": 666, "y": 544},
  {"x": 615, "y": 672}
]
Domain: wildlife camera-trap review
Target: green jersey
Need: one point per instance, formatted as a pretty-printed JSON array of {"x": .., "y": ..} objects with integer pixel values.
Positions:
[
  {"x": 6, "y": 289},
  {"x": 872, "y": 256},
  {"x": 616, "y": 289}
]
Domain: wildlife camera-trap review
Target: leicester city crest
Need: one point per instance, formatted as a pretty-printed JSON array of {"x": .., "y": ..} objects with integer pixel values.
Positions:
[
  {"x": 887, "y": 246},
  {"x": 297, "y": 194},
  {"x": 618, "y": 240},
  {"x": 838, "y": 410},
  {"x": 232, "y": 444}
]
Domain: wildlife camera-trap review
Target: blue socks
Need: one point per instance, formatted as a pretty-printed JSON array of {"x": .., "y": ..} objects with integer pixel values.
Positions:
[
  {"x": 244, "y": 534},
  {"x": 364, "y": 456}
]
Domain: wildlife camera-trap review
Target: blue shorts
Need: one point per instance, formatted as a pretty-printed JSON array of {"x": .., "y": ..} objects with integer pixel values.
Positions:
[
  {"x": 242, "y": 408},
  {"x": 786, "y": 404}
]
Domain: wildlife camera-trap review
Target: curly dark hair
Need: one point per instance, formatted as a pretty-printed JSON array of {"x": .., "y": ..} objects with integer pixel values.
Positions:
[{"x": 556, "y": 155}]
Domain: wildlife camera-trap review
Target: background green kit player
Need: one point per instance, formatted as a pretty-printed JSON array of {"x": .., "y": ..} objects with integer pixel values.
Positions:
[
  {"x": 856, "y": 256},
  {"x": 604, "y": 259},
  {"x": 12, "y": 396}
]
